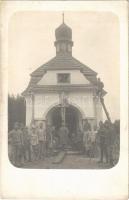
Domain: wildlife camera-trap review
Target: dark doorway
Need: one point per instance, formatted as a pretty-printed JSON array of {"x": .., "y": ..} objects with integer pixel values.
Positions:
[{"x": 72, "y": 116}]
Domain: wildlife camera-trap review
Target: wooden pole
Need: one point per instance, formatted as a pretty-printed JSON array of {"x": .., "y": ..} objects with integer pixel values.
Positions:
[
  {"x": 62, "y": 108},
  {"x": 63, "y": 114},
  {"x": 63, "y": 105},
  {"x": 105, "y": 110}
]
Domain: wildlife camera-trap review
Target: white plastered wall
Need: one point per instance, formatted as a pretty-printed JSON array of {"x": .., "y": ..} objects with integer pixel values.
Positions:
[
  {"x": 83, "y": 101},
  {"x": 50, "y": 78}
]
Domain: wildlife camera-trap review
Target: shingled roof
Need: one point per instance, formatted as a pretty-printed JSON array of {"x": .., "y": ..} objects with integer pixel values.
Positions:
[
  {"x": 63, "y": 62},
  {"x": 60, "y": 62}
]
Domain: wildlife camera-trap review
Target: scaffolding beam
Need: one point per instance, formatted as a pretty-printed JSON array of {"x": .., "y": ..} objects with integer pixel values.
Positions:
[{"x": 105, "y": 110}]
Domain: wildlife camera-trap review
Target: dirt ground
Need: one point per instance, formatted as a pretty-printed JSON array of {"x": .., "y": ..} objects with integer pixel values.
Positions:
[{"x": 69, "y": 162}]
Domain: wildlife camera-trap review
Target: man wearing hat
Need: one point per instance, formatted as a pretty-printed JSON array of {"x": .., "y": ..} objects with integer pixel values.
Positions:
[
  {"x": 16, "y": 139},
  {"x": 34, "y": 142},
  {"x": 110, "y": 139},
  {"x": 26, "y": 144},
  {"x": 63, "y": 135},
  {"x": 102, "y": 134},
  {"x": 42, "y": 140}
]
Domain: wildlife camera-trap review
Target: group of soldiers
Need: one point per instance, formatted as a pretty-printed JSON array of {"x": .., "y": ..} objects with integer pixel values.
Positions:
[
  {"x": 42, "y": 140},
  {"x": 36, "y": 142},
  {"x": 105, "y": 139}
]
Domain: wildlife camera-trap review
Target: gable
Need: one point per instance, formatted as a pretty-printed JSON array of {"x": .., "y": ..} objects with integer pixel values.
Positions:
[{"x": 51, "y": 77}]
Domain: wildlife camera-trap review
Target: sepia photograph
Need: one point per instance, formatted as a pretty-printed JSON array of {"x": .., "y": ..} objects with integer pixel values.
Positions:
[
  {"x": 64, "y": 90},
  {"x": 64, "y": 100}
]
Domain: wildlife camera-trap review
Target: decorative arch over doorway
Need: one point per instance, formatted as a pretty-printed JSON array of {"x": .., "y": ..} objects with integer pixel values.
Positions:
[
  {"x": 70, "y": 104},
  {"x": 74, "y": 117}
]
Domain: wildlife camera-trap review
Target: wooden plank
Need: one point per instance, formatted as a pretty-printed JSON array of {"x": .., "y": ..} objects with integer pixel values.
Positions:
[
  {"x": 70, "y": 152},
  {"x": 59, "y": 157}
]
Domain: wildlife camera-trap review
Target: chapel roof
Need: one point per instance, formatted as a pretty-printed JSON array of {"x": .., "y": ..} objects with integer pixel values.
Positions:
[{"x": 63, "y": 62}]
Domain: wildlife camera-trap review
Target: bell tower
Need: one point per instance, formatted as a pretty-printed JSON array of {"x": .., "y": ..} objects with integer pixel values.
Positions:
[{"x": 63, "y": 41}]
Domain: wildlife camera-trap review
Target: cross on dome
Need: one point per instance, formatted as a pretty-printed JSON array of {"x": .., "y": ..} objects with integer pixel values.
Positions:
[
  {"x": 63, "y": 35},
  {"x": 63, "y": 17}
]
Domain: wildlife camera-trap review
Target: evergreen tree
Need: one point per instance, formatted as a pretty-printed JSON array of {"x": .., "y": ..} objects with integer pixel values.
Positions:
[{"x": 16, "y": 110}]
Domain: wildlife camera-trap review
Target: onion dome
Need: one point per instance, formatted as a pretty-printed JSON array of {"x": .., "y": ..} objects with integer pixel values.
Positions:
[
  {"x": 63, "y": 32},
  {"x": 63, "y": 41}
]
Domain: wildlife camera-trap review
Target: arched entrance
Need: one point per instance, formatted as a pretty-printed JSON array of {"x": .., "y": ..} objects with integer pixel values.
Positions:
[{"x": 73, "y": 118}]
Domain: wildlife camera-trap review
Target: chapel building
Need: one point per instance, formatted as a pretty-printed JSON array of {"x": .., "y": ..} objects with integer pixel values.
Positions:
[{"x": 63, "y": 89}]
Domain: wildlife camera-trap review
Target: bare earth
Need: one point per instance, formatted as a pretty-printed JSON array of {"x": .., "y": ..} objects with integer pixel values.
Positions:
[{"x": 69, "y": 162}]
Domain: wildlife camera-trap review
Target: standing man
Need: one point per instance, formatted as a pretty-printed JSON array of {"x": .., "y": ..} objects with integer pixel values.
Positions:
[
  {"x": 42, "y": 140},
  {"x": 34, "y": 142},
  {"x": 86, "y": 133},
  {"x": 16, "y": 139},
  {"x": 48, "y": 139},
  {"x": 100, "y": 86},
  {"x": 103, "y": 142},
  {"x": 79, "y": 140},
  {"x": 116, "y": 127},
  {"x": 63, "y": 135},
  {"x": 21, "y": 127},
  {"x": 87, "y": 125},
  {"x": 27, "y": 144},
  {"x": 93, "y": 140},
  {"x": 110, "y": 140}
]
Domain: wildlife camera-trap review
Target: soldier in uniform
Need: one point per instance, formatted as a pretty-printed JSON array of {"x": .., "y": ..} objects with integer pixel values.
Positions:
[
  {"x": 116, "y": 141},
  {"x": 16, "y": 140},
  {"x": 22, "y": 151},
  {"x": 86, "y": 133},
  {"x": 49, "y": 138},
  {"x": 103, "y": 142},
  {"x": 86, "y": 126},
  {"x": 27, "y": 144},
  {"x": 63, "y": 135},
  {"x": 42, "y": 140},
  {"x": 100, "y": 86},
  {"x": 110, "y": 140},
  {"x": 34, "y": 143},
  {"x": 79, "y": 140}
]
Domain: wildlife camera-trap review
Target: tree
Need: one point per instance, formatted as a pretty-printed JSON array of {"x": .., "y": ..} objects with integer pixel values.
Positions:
[{"x": 16, "y": 110}]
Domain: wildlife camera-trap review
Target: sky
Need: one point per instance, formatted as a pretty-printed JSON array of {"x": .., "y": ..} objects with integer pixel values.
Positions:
[{"x": 96, "y": 40}]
